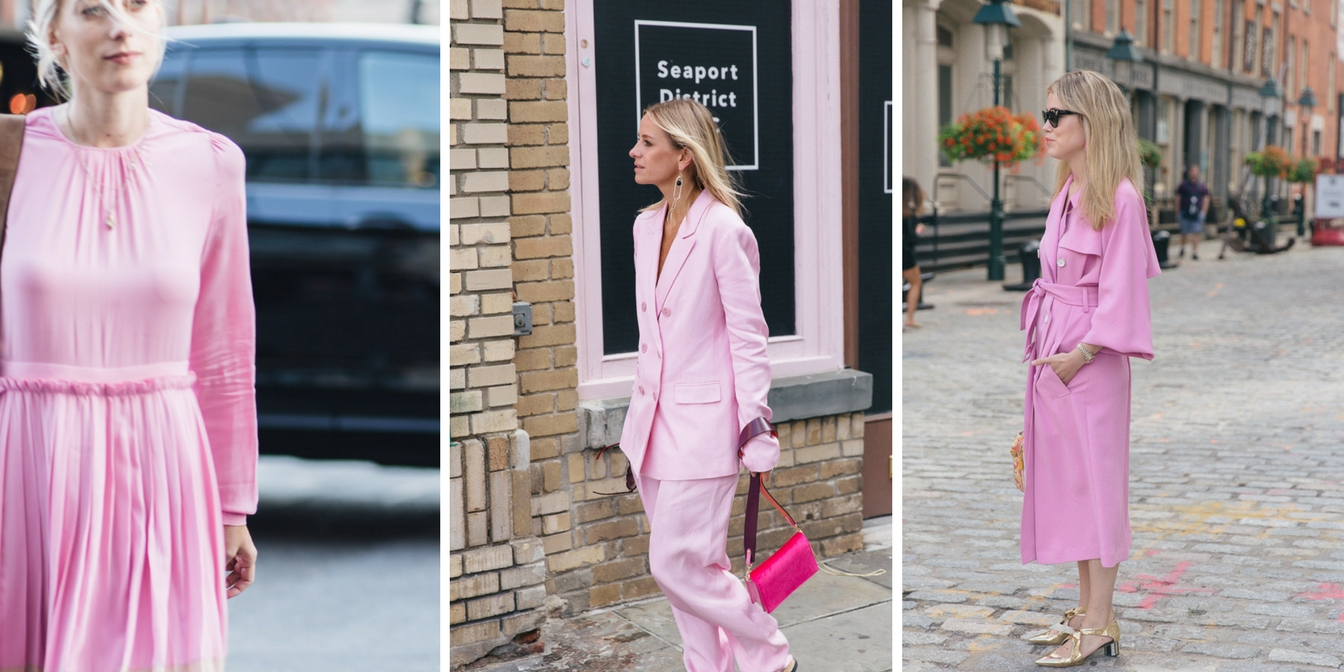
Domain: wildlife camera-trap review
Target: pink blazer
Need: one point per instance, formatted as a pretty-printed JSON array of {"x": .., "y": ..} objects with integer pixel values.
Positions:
[{"x": 703, "y": 370}]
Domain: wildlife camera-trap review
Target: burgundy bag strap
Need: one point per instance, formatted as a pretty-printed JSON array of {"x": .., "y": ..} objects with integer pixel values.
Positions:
[
  {"x": 11, "y": 143},
  {"x": 754, "y": 492},
  {"x": 629, "y": 476}
]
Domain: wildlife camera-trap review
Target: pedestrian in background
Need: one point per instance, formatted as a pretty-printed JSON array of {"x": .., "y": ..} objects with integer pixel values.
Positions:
[
  {"x": 1085, "y": 317},
  {"x": 128, "y": 436},
  {"x": 912, "y": 204},
  {"x": 1192, "y": 202},
  {"x": 703, "y": 374}
]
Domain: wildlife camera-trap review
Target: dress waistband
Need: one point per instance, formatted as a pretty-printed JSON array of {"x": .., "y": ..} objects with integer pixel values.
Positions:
[
  {"x": 122, "y": 388},
  {"x": 1074, "y": 295},
  {"x": 70, "y": 379}
]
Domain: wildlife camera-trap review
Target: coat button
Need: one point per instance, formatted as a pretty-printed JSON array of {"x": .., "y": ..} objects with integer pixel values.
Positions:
[
  {"x": 641, "y": 389},
  {"x": 1061, "y": 263},
  {"x": 666, "y": 312},
  {"x": 643, "y": 306},
  {"x": 644, "y": 347},
  {"x": 1047, "y": 319}
]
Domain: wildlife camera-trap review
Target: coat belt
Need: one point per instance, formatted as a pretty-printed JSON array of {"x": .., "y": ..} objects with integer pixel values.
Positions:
[{"x": 1085, "y": 296}]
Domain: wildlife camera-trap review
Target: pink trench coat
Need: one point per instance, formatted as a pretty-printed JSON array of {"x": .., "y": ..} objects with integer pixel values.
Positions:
[{"x": 1093, "y": 289}]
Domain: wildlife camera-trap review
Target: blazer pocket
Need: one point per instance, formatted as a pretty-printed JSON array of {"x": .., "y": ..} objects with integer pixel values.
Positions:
[{"x": 697, "y": 393}]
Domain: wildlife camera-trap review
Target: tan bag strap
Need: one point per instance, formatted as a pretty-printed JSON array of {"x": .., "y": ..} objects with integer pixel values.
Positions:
[{"x": 11, "y": 143}]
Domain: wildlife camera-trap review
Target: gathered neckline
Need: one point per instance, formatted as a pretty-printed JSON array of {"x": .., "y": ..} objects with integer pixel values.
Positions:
[{"x": 49, "y": 116}]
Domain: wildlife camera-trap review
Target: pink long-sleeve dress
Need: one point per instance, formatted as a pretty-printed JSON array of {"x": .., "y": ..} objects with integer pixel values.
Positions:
[
  {"x": 1093, "y": 289},
  {"x": 127, "y": 407}
]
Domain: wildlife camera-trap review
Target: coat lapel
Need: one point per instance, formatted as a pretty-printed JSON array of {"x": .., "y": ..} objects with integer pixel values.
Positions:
[{"x": 681, "y": 247}]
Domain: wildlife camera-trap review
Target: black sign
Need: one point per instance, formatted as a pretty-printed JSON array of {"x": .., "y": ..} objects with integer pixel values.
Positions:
[
  {"x": 712, "y": 64},
  {"x": 735, "y": 57},
  {"x": 876, "y": 176}
]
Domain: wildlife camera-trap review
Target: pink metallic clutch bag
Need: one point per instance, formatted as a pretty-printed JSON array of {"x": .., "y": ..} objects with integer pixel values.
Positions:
[
  {"x": 793, "y": 564},
  {"x": 790, "y": 567}
]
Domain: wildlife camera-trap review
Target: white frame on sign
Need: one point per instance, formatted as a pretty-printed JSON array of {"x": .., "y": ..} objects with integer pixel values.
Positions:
[
  {"x": 755, "y": 82},
  {"x": 817, "y": 345}
]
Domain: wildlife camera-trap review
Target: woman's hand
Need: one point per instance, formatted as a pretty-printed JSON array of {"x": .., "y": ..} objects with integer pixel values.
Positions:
[
  {"x": 761, "y": 453},
  {"x": 240, "y": 559},
  {"x": 1065, "y": 364}
]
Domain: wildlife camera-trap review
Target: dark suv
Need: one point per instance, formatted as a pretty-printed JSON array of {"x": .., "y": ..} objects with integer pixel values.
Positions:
[{"x": 340, "y": 125}]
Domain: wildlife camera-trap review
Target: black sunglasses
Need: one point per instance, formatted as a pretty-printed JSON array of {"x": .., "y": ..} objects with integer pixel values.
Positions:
[{"x": 1052, "y": 115}]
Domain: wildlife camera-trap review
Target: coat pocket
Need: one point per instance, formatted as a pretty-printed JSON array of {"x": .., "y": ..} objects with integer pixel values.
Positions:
[
  {"x": 697, "y": 393},
  {"x": 1049, "y": 384}
]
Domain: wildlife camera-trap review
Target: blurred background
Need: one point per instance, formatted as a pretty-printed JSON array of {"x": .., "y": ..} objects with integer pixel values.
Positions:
[{"x": 335, "y": 104}]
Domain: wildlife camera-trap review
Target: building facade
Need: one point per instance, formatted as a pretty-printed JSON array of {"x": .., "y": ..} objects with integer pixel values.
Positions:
[
  {"x": 1197, "y": 93},
  {"x": 545, "y": 105},
  {"x": 949, "y": 74}
]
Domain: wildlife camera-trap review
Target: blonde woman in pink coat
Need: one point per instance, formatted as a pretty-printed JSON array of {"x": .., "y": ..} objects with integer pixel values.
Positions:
[
  {"x": 703, "y": 375},
  {"x": 1085, "y": 318}
]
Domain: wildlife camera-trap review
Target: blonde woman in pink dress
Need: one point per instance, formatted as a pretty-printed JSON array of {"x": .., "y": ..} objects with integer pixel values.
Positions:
[
  {"x": 127, "y": 409},
  {"x": 1085, "y": 318}
]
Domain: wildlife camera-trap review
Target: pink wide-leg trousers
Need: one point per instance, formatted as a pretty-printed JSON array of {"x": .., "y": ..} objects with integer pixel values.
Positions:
[{"x": 688, "y": 556}]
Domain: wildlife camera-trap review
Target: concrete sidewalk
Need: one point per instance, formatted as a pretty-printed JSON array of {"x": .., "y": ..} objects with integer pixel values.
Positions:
[{"x": 833, "y": 623}]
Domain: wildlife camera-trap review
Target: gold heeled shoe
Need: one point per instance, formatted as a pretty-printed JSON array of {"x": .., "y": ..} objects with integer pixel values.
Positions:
[
  {"x": 1076, "y": 657},
  {"x": 1055, "y": 637}
]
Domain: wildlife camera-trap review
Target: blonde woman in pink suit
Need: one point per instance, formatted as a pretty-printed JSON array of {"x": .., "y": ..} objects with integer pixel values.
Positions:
[
  {"x": 128, "y": 437},
  {"x": 703, "y": 375},
  {"x": 1085, "y": 318}
]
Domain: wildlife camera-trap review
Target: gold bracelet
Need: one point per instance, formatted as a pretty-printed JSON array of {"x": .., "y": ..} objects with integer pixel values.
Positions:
[{"x": 1087, "y": 355}]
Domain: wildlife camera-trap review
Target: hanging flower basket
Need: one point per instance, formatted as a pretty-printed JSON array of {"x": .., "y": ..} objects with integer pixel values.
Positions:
[
  {"x": 1303, "y": 171},
  {"x": 1150, "y": 155},
  {"x": 1273, "y": 162},
  {"x": 991, "y": 134}
]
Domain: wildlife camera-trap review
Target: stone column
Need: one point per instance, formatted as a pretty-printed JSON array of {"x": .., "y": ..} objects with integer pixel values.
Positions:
[{"x": 920, "y": 90}]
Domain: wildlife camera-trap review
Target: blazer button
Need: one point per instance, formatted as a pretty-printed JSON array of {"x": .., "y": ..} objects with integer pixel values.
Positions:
[
  {"x": 641, "y": 389},
  {"x": 644, "y": 347},
  {"x": 667, "y": 313},
  {"x": 643, "y": 306},
  {"x": 1061, "y": 263}
]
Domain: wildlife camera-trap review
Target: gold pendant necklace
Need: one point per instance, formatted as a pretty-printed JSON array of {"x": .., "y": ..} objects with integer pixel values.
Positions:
[{"x": 110, "y": 218}]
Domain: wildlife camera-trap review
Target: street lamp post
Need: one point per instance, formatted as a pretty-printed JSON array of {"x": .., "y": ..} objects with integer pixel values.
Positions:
[
  {"x": 996, "y": 17},
  {"x": 1306, "y": 101},
  {"x": 1269, "y": 92},
  {"x": 1125, "y": 55}
]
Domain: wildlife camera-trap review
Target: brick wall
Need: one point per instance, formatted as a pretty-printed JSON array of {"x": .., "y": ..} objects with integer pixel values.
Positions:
[
  {"x": 496, "y": 563},
  {"x": 543, "y": 266},
  {"x": 602, "y": 558}
]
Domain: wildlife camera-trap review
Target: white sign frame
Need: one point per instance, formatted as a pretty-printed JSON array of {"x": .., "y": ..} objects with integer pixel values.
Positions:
[
  {"x": 1329, "y": 196},
  {"x": 755, "y": 81}
]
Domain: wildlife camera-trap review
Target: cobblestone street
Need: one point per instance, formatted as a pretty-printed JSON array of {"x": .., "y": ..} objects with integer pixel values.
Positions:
[{"x": 1237, "y": 475}]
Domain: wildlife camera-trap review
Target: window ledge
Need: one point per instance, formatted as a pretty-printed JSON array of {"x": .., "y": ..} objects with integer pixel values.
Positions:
[{"x": 792, "y": 398}]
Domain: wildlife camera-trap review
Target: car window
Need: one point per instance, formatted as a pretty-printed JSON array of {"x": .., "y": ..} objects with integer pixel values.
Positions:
[
  {"x": 266, "y": 100},
  {"x": 167, "y": 84},
  {"x": 399, "y": 118}
]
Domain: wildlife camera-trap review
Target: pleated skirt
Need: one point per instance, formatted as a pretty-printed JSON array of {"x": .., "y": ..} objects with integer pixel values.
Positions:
[{"x": 111, "y": 537}]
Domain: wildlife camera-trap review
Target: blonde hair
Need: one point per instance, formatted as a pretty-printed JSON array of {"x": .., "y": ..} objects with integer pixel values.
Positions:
[
  {"x": 1112, "y": 149},
  {"x": 691, "y": 126},
  {"x": 43, "y": 25}
]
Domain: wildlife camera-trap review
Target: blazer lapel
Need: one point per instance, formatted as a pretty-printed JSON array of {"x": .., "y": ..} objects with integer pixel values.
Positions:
[{"x": 681, "y": 247}]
